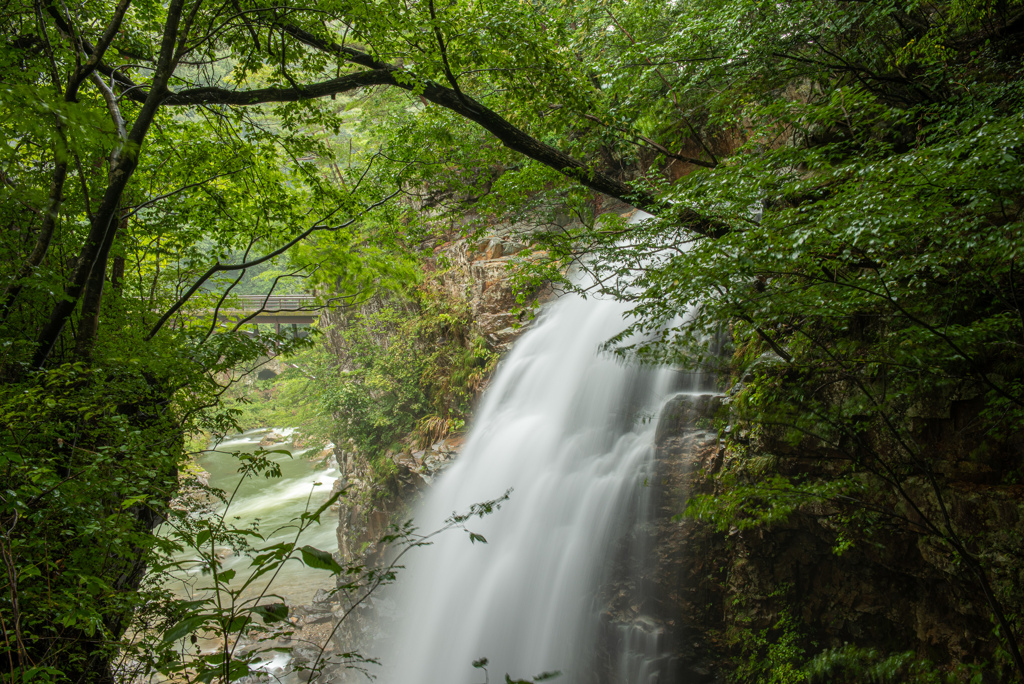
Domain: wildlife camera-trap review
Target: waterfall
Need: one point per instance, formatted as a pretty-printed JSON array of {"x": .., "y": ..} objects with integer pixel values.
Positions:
[{"x": 570, "y": 430}]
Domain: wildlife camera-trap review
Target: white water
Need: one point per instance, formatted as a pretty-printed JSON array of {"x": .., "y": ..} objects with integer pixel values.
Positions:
[
  {"x": 274, "y": 504},
  {"x": 570, "y": 430}
]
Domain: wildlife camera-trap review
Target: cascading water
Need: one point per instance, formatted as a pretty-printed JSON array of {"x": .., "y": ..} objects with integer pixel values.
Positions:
[{"x": 570, "y": 430}]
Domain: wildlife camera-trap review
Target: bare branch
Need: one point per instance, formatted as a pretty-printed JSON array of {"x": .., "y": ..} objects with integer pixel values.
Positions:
[
  {"x": 219, "y": 267},
  {"x": 139, "y": 207}
]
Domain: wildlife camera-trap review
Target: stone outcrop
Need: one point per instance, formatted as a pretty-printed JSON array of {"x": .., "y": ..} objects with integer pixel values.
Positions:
[
  {"x": 669, "y": 596},
  {"x": 370, "y": 508},
  {"x": 894, "y": 590},
  {"x": 271, "y": 438},
  {"x": 479, "y": 271}
]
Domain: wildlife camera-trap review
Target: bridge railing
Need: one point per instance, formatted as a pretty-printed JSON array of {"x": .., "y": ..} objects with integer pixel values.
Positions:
[{"x": 276, "y": 303}]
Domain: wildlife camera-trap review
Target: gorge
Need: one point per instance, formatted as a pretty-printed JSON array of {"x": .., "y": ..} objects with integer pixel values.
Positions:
[{"x": 837, "y": 198}]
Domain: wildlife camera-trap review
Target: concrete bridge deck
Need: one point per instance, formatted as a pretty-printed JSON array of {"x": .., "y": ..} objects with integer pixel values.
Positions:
[{"x": 275, "y": 310}]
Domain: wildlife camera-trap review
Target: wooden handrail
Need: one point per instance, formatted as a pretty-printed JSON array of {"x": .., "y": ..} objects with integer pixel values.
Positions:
[{"x": 275, "y": 303}]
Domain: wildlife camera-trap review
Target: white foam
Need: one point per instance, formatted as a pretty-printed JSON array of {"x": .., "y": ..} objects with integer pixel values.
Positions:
[{"x": 562, "y": 425}]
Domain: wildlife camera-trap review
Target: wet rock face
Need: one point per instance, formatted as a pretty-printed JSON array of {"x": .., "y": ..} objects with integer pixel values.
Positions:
[
  {"x": 368, "y": 510},
  {"x": 480, "y": 274},
  {"x": 656, "y": 614},
  {"x": 895, "y": 590},
  {"x": 687, "y": 572}
]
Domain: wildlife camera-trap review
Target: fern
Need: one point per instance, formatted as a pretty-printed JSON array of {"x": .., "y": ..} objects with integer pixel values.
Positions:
[{"x": 850, "y": 663}]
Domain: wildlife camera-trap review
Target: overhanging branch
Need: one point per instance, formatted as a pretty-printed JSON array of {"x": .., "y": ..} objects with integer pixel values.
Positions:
[
  {"x": 380, "y": 73},
  {"x": 511, "y": 136},
  {"x": 220, "y": 268}
]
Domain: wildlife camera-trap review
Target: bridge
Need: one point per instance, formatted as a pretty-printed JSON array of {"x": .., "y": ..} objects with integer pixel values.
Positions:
[{"x": 277, "y": 310}]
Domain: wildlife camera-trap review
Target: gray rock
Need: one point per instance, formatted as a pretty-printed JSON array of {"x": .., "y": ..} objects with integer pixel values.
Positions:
[{"x": 316, "y": 618}]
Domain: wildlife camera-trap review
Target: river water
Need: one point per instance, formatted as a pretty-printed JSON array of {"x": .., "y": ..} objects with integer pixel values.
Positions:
[{"x": 273, "y": 505}]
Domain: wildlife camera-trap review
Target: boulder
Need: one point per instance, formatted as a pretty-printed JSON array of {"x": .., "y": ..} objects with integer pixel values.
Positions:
[
  {"x": 271, "y": 438},
  {"x": 322, "y": 597},
  {"x": 316, "y": 618}
]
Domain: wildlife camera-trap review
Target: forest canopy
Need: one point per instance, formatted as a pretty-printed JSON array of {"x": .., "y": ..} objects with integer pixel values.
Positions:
[{"x": 836, "y": 188}]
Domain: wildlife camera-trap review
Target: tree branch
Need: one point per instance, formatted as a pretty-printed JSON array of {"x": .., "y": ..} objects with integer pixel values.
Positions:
[
  {"x": 219, "y": 267},
  {"x": 139, "y": 207},
  {"x": 380, "y": 73},
  {"x": 444, "y": 54},
  {"x": 655, "y": 146},
  {"x": 223, "y": 96},
  {"x": 115, "y": 115},
  {"x": 105, "y": 219},
  {"x": 512, "y": 137}
]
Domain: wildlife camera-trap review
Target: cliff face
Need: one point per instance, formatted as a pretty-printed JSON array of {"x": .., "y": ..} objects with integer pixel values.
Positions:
[
  {"x": 475, "y": 274},
  {"x": 729, "y": 596},
  {"x": 479, "y": 273},
  {"x": 775, "y": 595}
]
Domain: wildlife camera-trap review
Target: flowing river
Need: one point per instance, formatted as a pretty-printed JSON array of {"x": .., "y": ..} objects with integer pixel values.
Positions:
[{"x": 273, "y": 504}]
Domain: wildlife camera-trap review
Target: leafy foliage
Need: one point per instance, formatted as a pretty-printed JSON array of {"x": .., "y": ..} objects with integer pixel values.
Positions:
[
  {"x": 772, "y": 655},
  {"x": 77, "y": 508},
  {"x": 396, "y": 368},
  {"x": 860, "y": 167},
  {"x": 849, "y": 663},
  {"x": 230, "y": 627},
  {"x": 838, "y": 187}
]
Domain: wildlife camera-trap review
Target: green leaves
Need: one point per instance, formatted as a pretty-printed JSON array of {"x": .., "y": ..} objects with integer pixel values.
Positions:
[
  {"x": 273, "y": 612},
  {"x": 322, "y": 560},
  {"x": 186, "y": 627},
  {"x": 767, "y": 500}
]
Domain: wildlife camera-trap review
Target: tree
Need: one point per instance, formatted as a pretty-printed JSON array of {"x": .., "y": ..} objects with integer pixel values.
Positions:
[
  {"x": 147, "y": 143},
  {"x": 180, "y": 47},
  {"x": 866, "y": 159},
  {"x": 856, "y": 168}
]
